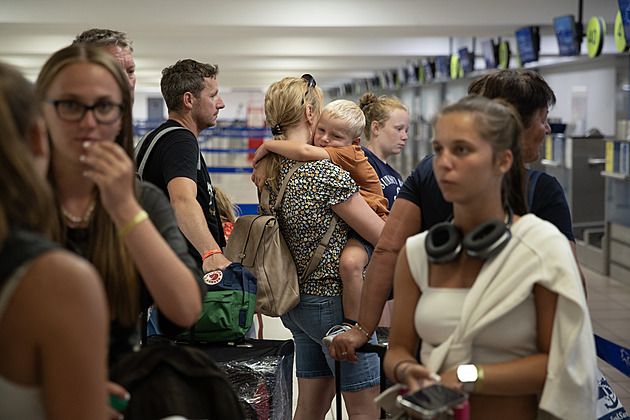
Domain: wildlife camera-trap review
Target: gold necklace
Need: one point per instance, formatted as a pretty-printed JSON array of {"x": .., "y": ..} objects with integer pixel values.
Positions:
[{"x": 76, "y": 220}]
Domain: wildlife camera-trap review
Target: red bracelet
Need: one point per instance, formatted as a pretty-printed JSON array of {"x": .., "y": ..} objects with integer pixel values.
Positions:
[{"x": 211, "y": 252}]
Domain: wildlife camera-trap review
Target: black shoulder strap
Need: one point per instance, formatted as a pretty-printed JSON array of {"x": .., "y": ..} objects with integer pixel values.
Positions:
[
  {"x": 19, "y": 247},
  {"x": 150, "y": 147}
]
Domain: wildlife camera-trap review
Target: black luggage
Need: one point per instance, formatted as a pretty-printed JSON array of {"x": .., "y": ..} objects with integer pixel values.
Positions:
[
  {"x": 260, "y": 371},
  {"x": 167, "y": 380}
]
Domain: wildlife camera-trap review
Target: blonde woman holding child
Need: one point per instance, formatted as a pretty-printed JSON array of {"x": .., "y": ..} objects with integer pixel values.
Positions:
[
  {"x": 314, "y": 193},
  {"x": 337, "y": 138}
]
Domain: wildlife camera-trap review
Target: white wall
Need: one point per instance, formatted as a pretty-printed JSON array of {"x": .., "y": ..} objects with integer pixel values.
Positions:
[{"x": 598, "y": 79}]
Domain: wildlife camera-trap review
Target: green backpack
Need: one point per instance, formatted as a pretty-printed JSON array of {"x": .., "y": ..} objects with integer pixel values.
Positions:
[{"x": 228, "y": 306}]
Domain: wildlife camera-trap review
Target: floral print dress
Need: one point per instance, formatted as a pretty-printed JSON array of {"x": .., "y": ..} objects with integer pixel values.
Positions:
[{"x": 304, "y": 218}]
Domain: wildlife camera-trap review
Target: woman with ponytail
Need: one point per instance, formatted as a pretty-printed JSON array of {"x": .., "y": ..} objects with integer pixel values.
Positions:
[{"x": 492, "y": 296}]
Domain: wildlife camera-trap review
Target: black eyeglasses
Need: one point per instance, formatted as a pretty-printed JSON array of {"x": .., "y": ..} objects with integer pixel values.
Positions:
[
  {"x": 70, "y": 110},
  {"x": 311, "y": 83}
]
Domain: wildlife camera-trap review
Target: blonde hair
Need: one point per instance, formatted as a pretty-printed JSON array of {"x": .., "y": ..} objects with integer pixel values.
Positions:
[
  {"x": 285, "y": 108},
  {"x": 25, "y": 198},
  {"x": 227, "y": 210},
  {"x": 349, "y": 112},
  {"x": 106, "y": 251},
  {"x": 377, "y": 109}
]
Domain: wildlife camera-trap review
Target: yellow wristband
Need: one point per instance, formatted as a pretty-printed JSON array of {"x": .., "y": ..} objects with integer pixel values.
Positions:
[{"x": 130, "y": 225}]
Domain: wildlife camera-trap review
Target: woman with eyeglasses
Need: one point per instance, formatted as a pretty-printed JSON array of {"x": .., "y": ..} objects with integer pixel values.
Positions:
[
  {"x": 314, "y": 193},
  {"x": 87, "y": 107}
]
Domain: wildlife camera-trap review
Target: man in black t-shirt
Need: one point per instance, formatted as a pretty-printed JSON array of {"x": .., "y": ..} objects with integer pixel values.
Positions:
[{"x": 176, "y": 165}]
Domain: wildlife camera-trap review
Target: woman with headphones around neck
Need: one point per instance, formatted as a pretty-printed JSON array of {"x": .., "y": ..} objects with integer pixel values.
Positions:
[{"x": 494, "y": 288}]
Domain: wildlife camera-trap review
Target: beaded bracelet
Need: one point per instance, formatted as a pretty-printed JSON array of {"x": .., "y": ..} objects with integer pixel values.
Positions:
[
  {"x": 360, "y": 328},
  {"x": 130, "y": 225},
  {"x": 211, "y": 252}
]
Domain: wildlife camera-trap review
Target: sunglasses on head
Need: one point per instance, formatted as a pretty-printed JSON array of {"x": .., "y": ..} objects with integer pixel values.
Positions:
[
  {"x": 310, "y": 79},
  {"x": 310, "y": 83}
]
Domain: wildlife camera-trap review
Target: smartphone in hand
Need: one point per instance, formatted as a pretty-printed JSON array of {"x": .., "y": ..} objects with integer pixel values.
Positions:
[{"x": 431, "y": 401}]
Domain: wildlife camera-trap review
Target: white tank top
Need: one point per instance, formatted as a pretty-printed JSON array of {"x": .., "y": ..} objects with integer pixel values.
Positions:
[{"x": 439, "y": 311}]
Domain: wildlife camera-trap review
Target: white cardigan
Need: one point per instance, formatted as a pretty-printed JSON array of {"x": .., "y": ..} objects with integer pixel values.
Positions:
[{"x": 537, "y": 254}]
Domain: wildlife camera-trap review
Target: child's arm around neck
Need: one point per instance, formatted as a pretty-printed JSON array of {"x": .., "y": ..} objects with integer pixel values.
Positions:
[{"x": 291, "y": 149}]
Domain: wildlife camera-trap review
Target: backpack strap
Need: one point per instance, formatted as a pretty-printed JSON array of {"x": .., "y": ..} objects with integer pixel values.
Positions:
[
  {"x": 265, "y": 198},
  {"x": 323, "y": 243},
  {"x": 321, "y": 248},
  {"x": 150, "y": 147}
]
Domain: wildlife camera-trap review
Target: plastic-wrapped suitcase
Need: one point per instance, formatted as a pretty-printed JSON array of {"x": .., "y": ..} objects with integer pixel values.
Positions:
[
  {"x": 380, "y": 350},
  {"x": 259, "y": 370},
  {"x": 261, "y": 373}
]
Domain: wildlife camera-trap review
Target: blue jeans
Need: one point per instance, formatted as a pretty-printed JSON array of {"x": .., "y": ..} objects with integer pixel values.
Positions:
[{"x": 309, "y": 322}]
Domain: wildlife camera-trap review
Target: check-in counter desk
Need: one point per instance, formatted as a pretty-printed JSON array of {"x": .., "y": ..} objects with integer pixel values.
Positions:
[
  {"x": 617, "y": 204},
  {"x": 577, "y": 163}
]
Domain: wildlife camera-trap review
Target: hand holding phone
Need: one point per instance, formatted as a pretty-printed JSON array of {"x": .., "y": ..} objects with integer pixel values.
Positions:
[{"x": 431, "y": 401}]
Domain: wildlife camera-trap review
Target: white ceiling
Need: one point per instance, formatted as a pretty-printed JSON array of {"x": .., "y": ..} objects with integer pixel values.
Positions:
[{"x": 258, "y": 42}]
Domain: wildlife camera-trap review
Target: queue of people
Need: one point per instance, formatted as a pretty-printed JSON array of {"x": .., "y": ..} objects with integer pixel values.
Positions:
[{"x": 480, "y": 258}]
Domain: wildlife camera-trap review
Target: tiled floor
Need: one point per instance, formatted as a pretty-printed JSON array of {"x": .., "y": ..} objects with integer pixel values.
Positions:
[{"x": 609, "y": 304}]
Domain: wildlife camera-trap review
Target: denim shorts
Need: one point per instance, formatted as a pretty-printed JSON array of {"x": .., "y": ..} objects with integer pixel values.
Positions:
[
  {"x": 309, "y": 322},
  {"x": 369, "y": 248}
]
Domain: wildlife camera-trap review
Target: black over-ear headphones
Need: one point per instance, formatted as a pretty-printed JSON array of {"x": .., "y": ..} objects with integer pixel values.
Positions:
[{"x": 444, "y": 241}]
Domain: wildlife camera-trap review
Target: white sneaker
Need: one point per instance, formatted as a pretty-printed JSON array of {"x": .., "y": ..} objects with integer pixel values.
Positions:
[{"x": 334, "y": 331}]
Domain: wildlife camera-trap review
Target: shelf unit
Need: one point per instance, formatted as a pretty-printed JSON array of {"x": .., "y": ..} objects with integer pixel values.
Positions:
[
  {"x": 576, "y": 162},
  {"x": 617, "y": 205},
  {"x": 605, "y": 243}
]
